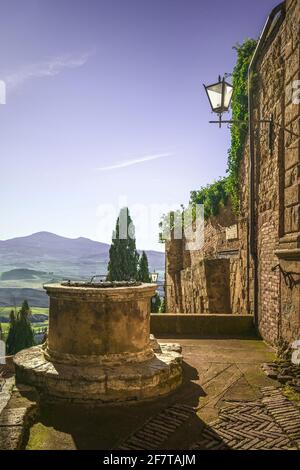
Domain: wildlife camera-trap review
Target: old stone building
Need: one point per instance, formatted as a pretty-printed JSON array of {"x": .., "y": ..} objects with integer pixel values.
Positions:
[
  {"x": 206, "y": 280},
  {"x": 251, "y": 264}
]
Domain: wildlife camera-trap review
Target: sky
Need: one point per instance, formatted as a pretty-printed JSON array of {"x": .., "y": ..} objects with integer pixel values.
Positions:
[{"x": 105, "y": 107}]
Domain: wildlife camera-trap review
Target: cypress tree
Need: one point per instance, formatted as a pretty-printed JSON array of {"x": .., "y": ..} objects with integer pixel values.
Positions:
[
  {"x": 143, "y": 269},
  {"x": 123, "y": 256},
  {"x": 25, "y": 309},
  {"x": 10, "y": 341},
  {"x": 20, "y": 335}
]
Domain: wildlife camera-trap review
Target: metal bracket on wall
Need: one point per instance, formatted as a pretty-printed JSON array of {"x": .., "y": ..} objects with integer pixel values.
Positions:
[
  {"x": 271, "y": 128},
  {"x": 288, "y": 277},
  {"x": 270, "y": 122}
]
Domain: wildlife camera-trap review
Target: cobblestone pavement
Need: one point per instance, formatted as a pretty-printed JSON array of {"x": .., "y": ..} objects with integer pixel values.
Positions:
[
  {"x": 239, "y": 407},
  {"x": 226, "y": 401},
  {"x": 157, "y": 429},
  {"x": 272, "y": 423}
]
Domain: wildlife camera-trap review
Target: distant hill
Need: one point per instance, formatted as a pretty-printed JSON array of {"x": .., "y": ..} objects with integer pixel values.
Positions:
[
  {"x": 14, "y": 297},
  {"x": 48, "y": 252},
  {"x": 47, "y": 245},
  {"x": 15, "y": 274}
]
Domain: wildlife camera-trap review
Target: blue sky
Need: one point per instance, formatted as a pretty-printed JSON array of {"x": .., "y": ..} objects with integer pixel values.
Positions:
[{"x": 105, "y": 106}]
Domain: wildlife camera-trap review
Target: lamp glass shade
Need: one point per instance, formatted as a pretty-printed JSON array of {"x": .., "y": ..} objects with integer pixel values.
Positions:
[
  {"x": 214, "y": 93},
  {"x": 228, "y": 91},
  {"x": 154, "y": 277},
  {"x": 219, "y": 95}
]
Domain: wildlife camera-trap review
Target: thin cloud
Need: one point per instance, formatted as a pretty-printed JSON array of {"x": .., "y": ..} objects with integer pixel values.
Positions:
[
  {"x": 47, "y": 68},
  {"x": 136, "y": 161}
]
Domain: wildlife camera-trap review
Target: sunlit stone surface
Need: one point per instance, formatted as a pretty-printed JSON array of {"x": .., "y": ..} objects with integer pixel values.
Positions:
[{"x": 99, "y": 348}]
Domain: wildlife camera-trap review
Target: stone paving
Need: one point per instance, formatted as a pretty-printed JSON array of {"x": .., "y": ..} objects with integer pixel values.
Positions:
[
  {"x": 272, "y": 423},
  {"x": 157, "y": 429},
  {"x": 225, "y": 402},
  {"x": 18, "y": 411},
  {"x": 6, "y": 384}
]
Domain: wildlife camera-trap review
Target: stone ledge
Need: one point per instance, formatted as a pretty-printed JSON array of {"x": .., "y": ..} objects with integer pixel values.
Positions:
[
  {"x": 289, "y": 254},
  {"x": 203, "y": 325},
  {"x": 144, "y": 291},
  {"x": 16, "y": 418},
  {"x": 98, "y": 385},
  {"x": 100, "y": 360}
]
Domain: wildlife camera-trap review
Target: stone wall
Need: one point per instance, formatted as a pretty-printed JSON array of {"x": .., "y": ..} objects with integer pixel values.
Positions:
[
  {"x": 206, "y": 280},
  {"x": 276, "y": 188},
  {"x": 202, "y": 325},
  {"x": 255, "y": 287}
]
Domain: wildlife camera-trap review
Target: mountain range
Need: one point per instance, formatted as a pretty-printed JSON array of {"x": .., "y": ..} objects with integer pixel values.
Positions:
[
  {"x": 45, "y": 251},
  {"x": 26, "y": 263}
]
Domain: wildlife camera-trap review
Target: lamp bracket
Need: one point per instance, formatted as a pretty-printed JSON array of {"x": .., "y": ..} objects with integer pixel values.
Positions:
[
  {"x": 271, "y": 122},
  {"x": 288, "y": 277}
]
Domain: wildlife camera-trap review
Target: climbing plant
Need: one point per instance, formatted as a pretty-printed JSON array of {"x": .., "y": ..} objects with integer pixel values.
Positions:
[
  {"x": 239, "y": 113},
  {"x": 213, "y": 196}
]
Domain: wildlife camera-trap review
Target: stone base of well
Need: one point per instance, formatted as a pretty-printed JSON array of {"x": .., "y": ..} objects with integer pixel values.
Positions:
[{"x": 98, "y": 384}]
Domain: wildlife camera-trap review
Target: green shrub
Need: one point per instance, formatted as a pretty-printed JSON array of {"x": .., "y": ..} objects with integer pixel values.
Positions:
[{"x": 213, "y": 196}]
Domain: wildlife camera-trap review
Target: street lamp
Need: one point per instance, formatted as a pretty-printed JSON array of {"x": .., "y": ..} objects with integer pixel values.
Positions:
[
  {"x": 219, "y": 95},
  {"x": 154, "y": 276}
]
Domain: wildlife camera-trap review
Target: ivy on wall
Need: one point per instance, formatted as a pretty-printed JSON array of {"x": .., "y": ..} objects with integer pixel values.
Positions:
[
  {"x": 215, "y": 195},
  {"x": 239, "y": 113}
]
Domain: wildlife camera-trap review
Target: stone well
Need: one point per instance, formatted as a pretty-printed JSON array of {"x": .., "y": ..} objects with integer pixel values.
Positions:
[{"x": 99, "y": 347}]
